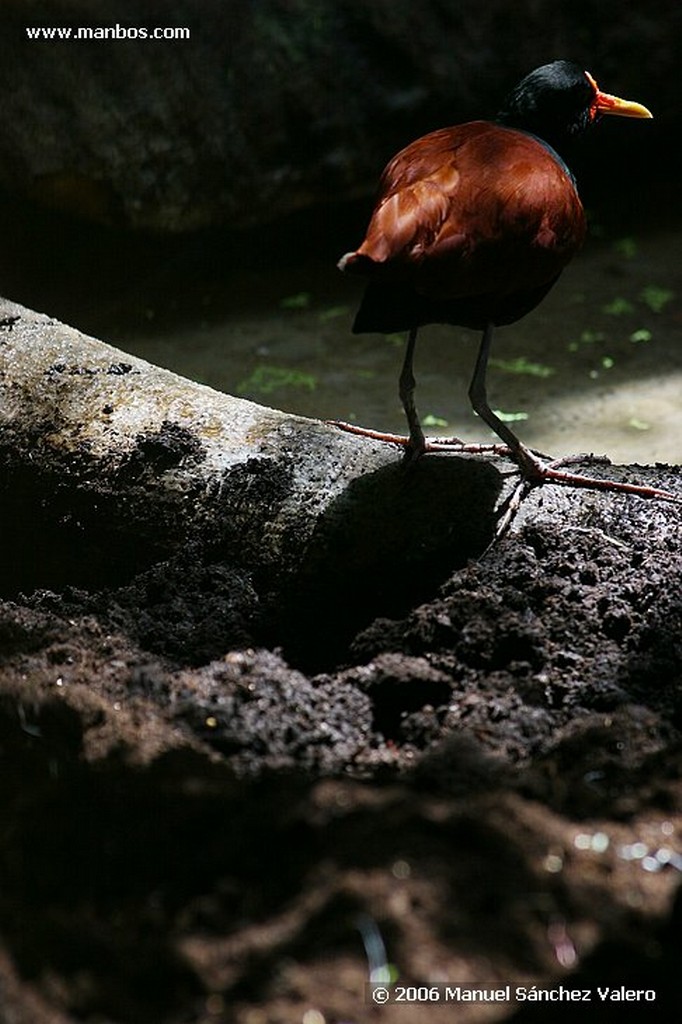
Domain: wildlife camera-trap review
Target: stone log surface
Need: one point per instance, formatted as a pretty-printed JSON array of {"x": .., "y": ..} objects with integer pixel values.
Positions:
[
  {"x": 111, "y": 465},
  {"x": 272, "y": 106},
  {"x": 264, "y": 697}
]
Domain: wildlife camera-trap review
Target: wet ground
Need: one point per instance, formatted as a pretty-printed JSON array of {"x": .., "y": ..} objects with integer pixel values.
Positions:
[{"x": 486, "y": 789}]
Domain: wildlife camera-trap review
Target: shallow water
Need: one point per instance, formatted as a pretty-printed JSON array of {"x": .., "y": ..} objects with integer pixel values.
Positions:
[{"x": 597, "y": 367}]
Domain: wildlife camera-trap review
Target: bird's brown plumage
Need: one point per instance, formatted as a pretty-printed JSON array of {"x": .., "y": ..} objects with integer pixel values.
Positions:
[{"x": 477, "y": 221}]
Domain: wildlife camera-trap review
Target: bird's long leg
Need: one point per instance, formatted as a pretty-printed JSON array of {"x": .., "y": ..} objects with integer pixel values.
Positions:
[
  {"x": 416, "y": 444},
  {"x": 478, "y": 396},
  {"x": 436, "y": 444},
  {"x": 534, "y": 468}
]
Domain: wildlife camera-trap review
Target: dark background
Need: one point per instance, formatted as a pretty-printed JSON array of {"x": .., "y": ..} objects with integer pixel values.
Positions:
[{"x": 259, "y": 140}]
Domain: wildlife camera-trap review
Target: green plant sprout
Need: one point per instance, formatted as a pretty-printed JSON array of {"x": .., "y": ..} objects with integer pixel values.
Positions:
[
  {"x": 266, "y": 379},
  {"x": 655, "y": 297},
  {"x": 641, "y": 335},
  {"x": 511, "y": 417},
  {"x": 523, "y": 366},
  {"x": 301, "y": 300},
  {"x": 332, "y": 313},
  {"x": 430, "y": 420},
  {"x": 626, "y": 247},
  {"x": 618, "y": 307}
]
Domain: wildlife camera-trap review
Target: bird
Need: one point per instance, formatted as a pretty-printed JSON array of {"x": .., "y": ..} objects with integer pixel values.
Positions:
[{"x": 474, "y": 224}]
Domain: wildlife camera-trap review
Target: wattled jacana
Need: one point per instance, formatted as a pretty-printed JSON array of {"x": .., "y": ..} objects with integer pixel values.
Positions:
[{"x": 473, "y": 226}]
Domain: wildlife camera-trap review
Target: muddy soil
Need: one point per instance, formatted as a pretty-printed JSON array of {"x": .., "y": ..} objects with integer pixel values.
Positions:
[{"x": 486, "y": 790}]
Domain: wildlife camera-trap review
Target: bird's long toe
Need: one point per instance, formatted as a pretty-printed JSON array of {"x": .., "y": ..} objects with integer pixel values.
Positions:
[{"x": 536, "y": 471}]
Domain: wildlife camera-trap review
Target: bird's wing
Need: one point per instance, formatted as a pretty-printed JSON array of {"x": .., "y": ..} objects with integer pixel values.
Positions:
[
  {"x": 462, "y": 208},
  {"x": 417, "y": 194}
]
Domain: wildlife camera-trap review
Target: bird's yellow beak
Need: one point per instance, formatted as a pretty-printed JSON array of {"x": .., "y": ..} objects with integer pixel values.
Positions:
[
  {"x": 607, "y": 104},
  {"x": 604, "y": 103}
]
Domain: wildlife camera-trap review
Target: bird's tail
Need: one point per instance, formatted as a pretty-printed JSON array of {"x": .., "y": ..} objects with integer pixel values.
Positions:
[
  {"x": 356, "y": 263},
  {"x": 386, "y": 307}
]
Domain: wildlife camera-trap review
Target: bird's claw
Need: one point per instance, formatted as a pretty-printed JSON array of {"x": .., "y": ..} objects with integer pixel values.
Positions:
[{"x": 536, "y": 471}]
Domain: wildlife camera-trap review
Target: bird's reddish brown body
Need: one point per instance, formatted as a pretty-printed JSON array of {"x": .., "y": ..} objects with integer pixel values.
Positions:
[{"x": 474, "y": 223}]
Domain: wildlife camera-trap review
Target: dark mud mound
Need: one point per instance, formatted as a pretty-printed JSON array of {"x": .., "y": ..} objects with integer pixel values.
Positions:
[{"x": 486, "y": 789}]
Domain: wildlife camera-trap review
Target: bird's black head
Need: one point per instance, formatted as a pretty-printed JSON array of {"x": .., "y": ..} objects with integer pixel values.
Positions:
[{"x": 559, "y": 101}]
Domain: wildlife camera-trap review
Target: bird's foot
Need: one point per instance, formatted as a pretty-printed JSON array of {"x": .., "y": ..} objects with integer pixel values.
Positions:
[
  {"x": 536, "y": 471},
  {"x": 431, "y": 444},
  {"x": 414, "y": 445},
  {"x": 535, "y": 468},
  {"x": 414, "y": 449},
  {"x": 375, "y": 435}
]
